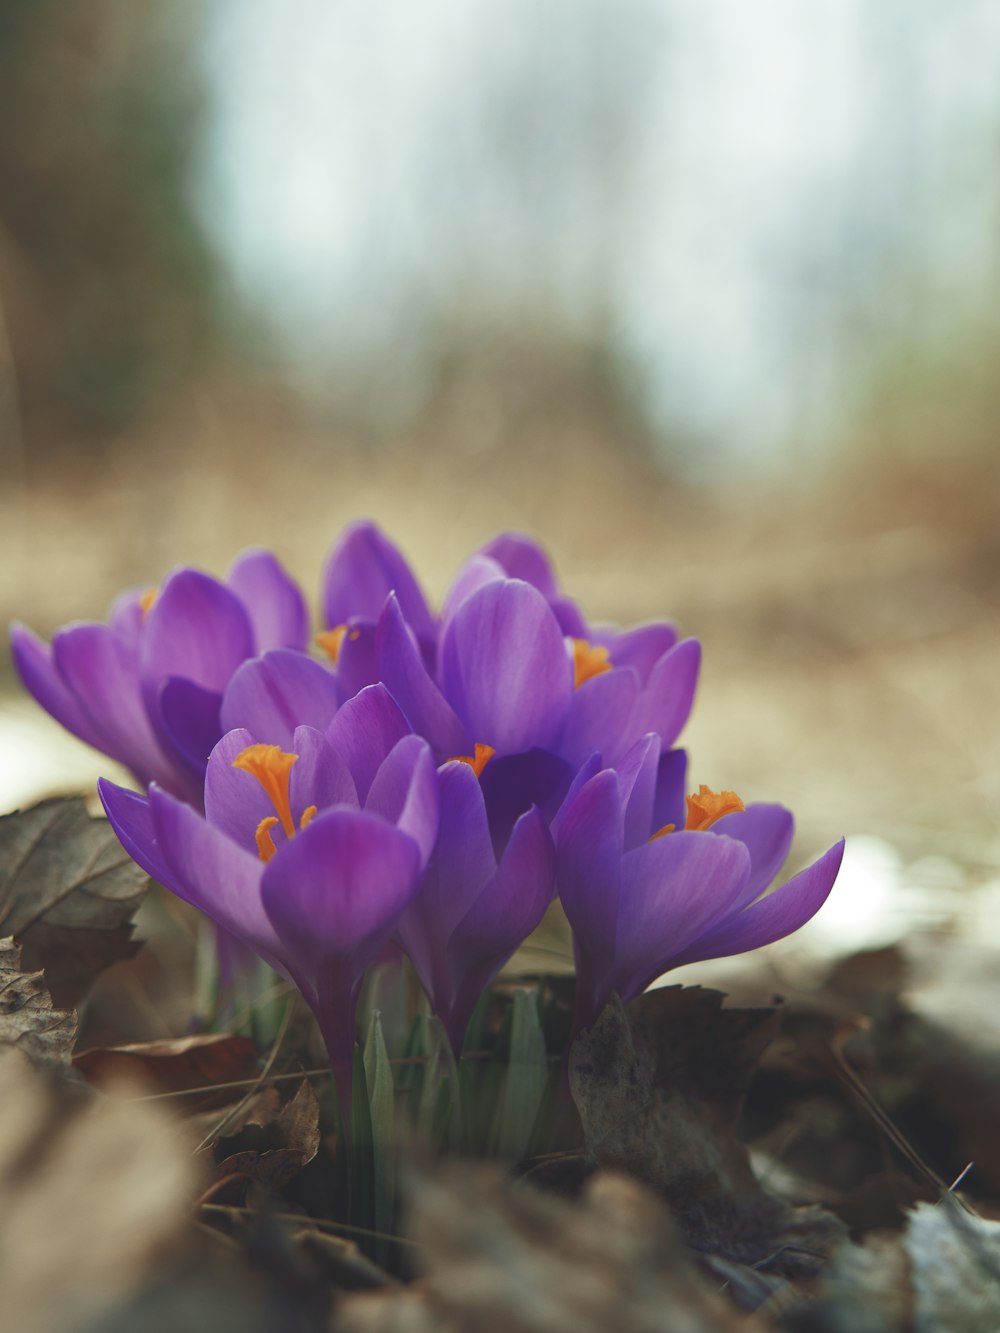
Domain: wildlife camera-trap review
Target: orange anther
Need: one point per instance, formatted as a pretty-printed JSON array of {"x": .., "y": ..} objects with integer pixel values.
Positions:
[
  {"x": 262, "y": 835},
  {"x": 271, "y": 766},
  {"x": 589, "y": 660},
  {"x": 704, "y": 808},
  {"x": 478, "y": 761},
  {"x": 330, "y": 641}
]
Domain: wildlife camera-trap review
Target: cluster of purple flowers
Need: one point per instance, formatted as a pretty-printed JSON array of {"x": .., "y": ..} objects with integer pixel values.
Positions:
[{"x": 429, "y": 780}]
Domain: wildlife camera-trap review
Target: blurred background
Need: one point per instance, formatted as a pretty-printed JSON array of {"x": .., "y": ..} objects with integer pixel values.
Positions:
[{"x": 704, "y": 296}]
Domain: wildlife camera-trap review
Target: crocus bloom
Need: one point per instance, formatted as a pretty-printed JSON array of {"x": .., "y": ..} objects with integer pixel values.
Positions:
[
  {"x": 627, "y": 682},
  {"x": 456, "y": 675},
  {"x": 472, "y": 912},
  {"x": 361, "y": 571},
  {"x": 307, "y": 856},
  {"x": 146, "y": 687},
  {"x": 475, "y": 905},
  {"x": 646, "y": 889}
]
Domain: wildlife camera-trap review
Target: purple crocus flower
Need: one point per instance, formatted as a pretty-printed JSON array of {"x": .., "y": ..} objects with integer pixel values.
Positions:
[
  {"x": 308, "y": 856},
  {"x": 361, "y": 571},
  {"x": 474, "y": 905},
  {"x": 472, "y": 911},
  {"x": 146, "y": 687},
  {"x": 646, "y": 889},
  {"x": 627, "y": 682},
  {"x": 510, "y": 683},
  {"x": 455, "y": 676}
]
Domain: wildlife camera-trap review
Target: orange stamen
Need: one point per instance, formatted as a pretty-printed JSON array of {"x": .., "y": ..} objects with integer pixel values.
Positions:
[
  {"x": 589, "y": 660},
  {"x": 478, "y": 761},
  {"x": 262, "y": 834},
  {"x": 703, "y": 809},
  {"x": 307, "y": 816},
  {"x": 330, "y": 641},
  {"x": 707, "y": 806},
  {"x": 271, "y": 766},
  {"x": 147, "y": 599}
]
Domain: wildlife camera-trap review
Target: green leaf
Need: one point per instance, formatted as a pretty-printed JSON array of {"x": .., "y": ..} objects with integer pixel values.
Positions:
[
  {"x": 382, "y": 1111},
  {"x": 438, "y": 1112},
  {"x": 526, "y": 1081},
  {"x": 362, "y": 1192}
]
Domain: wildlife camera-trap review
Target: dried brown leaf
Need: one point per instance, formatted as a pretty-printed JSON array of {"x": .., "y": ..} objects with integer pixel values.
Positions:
[
  {"x": 508, "y": 1259},
  {"x": 28, "y": 1018},
  {"x": 68, "y": 893},
  {"x": 659, "y": 1088},
  {"x": 275, "y": 1141},
  {"x": 174, "y": 1064},
  {"x": 91, "y": 1195}
]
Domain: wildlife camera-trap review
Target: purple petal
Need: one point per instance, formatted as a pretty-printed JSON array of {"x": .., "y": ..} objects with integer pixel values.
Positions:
[
  {"x": 590, "y": 767},
  {"x": 512, "y": 785},
  {"x": 770, "y": 918},
  {"x": 235, "y": 802},
  {"x": 320, "y": 775},
  {"x": 273, "y": 601},
  {"x": 197, "y": 628},
  {"x": 404, "y": 791},
  {"x": 33, "y": 660},
  {"x": 273, "y": 694},
  {"x": 463, "y": 860},
  {"x": 212, "y": 873},
  {"x": 673, "y": 890},
  {"x": 356, "y": 664},
  {"x": 364, "y": 731},
  {"x": 640, "y": 648},
  {"x": 462, "y": 864},
  {"x": 362, "y": 570},
  {"x": 637, "y": 777},
  {"x": 102, "y": 672},
  {"x": 127, "y": 615},
  {"x": 505, "y": 669},
  {"x": 335, "y": 891},
  {"x": 589, "y": 865},
  {"x": 189, "y": 717},
  {"x": 477, "y": 571},
  {"x": 600, "y": 716},
  {"x": 521, "y": 558},
  {"x": 513, "y": 903},
  {"x": 669, "y": 695},
  {"x": 766, "y": 831},
  {"x": 401, "y": 667},
  {"x": 501, "y": 919},
  {"x": 130, "y": 817},
  {"x": 570, "y": 618},
  {"x": 670, "y": 806}
]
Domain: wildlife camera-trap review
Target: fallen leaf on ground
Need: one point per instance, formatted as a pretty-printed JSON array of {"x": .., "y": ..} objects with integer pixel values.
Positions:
[
  {"x": 274, "y": 1142},
  {"x": 175, "y": 1064},
  {"x": 68, "y": 893},
  {"x": 28, "y": 1019},
  {"x": 504, "y": 1258},
  {"x": 659, "y": 1086},
  {"x": 92, "y": 1195}
]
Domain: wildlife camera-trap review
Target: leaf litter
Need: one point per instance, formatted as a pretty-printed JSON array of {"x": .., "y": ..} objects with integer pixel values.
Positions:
[
  {"x": 68, "y": 893},
  {"x": 718, "y": 1167}
]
